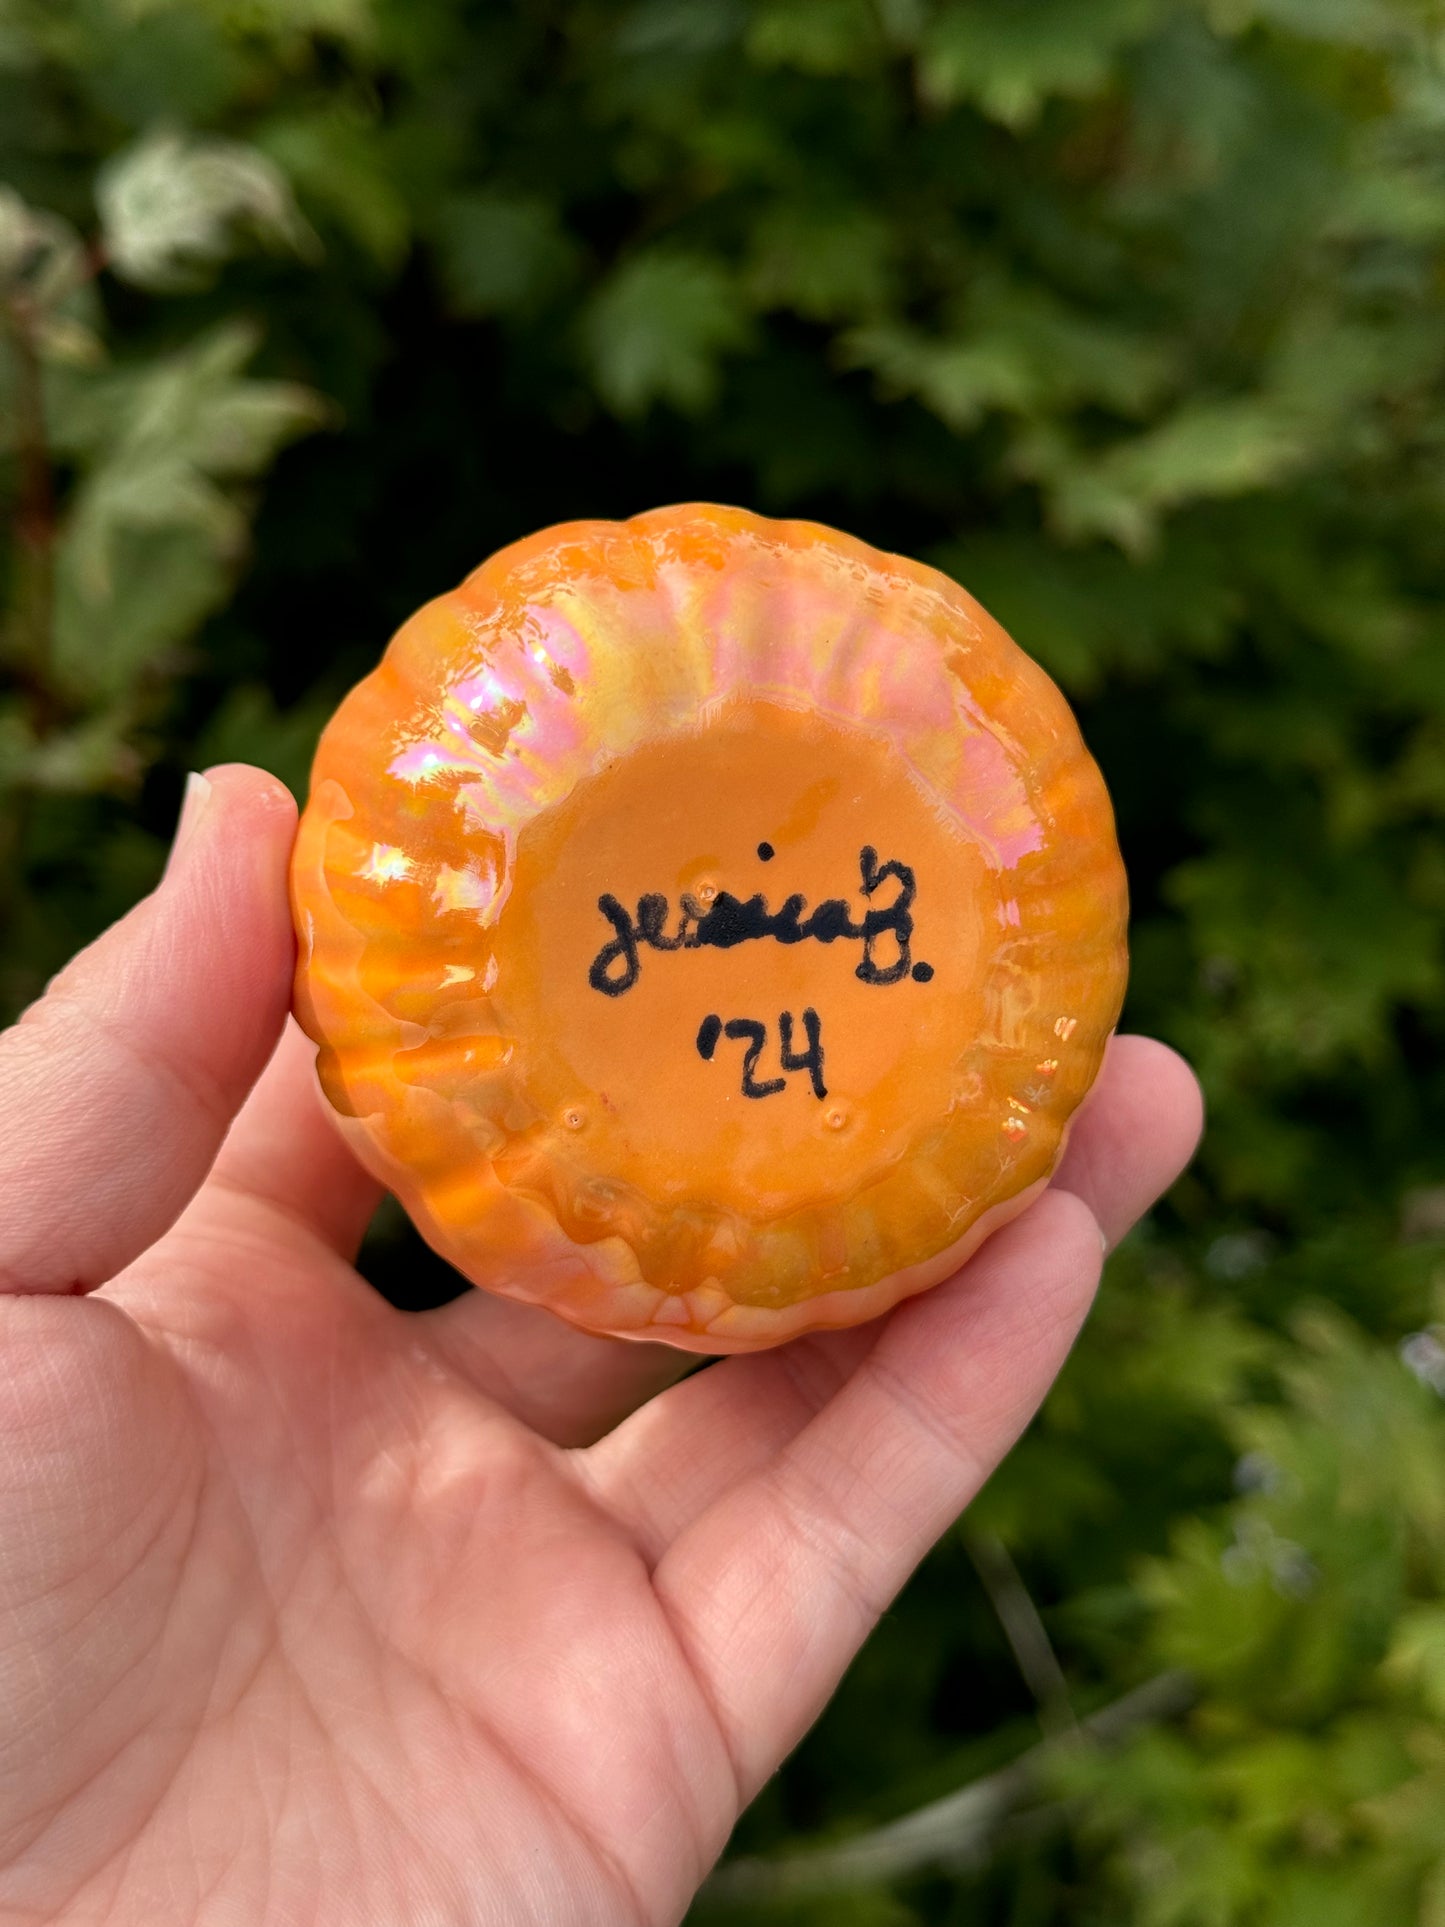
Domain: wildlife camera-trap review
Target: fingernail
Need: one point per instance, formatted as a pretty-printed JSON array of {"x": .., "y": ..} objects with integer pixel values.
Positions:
[{"x": 193, "y": 808}]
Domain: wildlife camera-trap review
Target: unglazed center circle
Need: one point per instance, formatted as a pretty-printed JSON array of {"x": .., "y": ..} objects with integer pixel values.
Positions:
[{"x": 741, "y": 964}]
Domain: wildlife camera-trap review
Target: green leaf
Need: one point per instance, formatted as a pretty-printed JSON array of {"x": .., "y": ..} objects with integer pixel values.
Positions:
[
  {"x": 161, "y": 62},
  {"x": 825, "y": 263},
  {"x": 1205, "y": 449},
  {"x": 658, "y": 330},
  {"x": 1008, "y": 56},
  {"x": 1331, "y": 1896},
  {"x": 53, "y": 314},
  {"x": 93, "y": 754},
  {"x": 279, "y": 22},
  {"x": 336, "y": 159},
  {"x": 1092, "y": 616},
  {"x": 1323, "y": 952},
  {"x": 1417, "y": 1657},
  {"x": 1352, "y": 21},
  {"x": 500, "y": 253},
  {"x": 250, "y": 727},
  {"x": 42, "y": 258},
  {"x": 174, "y": 206},
  {"x": 155, "y": 526},
  {"x": 959, "y": 381},
  {"x": 678, "y": 27},
  {"x": 816, "y": 36},
  {"x": 129, "y": 629},
  {"x": 1021, "y": 351}
]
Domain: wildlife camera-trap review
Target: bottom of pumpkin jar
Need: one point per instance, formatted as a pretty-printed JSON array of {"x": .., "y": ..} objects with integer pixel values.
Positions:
[
  {"x": 596, "y": 1287},
  {"x": 738, "y": 967},
  {"x": 737, "y": 1038}
]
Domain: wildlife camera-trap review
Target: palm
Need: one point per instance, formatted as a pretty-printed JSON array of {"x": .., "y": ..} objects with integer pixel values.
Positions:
[
  {"x": 316, "y": 1610},
  {"x": 315, "y": 1549}
]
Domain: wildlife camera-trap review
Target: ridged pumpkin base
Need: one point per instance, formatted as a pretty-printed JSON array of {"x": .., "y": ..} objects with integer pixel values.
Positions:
[{"x": 709, "y": 925}]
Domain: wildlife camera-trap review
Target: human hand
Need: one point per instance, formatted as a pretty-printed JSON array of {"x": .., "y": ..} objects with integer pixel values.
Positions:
[{"x": 316, "y": 1611}]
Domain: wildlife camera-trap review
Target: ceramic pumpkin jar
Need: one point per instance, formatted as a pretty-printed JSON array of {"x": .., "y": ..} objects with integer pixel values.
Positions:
[{"x": 708, "y": 925}]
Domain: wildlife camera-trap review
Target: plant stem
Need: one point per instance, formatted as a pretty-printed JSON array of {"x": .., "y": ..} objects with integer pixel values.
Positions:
[
  {"x": 29, "y": 632},
  {"x": 956, "y": 1832},
  {"x": 1023, "y": 1628},
  {"x": 35, "y": 523}
]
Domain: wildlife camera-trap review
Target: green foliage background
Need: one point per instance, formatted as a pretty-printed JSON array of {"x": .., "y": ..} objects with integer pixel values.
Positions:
[{"x": 1129, "y": 314}]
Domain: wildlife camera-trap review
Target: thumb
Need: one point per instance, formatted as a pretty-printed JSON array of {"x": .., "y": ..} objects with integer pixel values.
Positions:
[{"x": 117, "y": 1087}]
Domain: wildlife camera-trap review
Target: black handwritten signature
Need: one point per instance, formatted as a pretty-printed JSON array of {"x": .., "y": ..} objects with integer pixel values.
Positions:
[{"x": 729, "y": 920}]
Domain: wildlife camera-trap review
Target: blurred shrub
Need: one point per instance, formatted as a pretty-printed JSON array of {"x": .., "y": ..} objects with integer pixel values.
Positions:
[{"x": 1126, "y": 312}]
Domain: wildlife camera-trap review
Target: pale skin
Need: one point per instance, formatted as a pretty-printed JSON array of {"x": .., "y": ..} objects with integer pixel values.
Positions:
[{"x": 315, "y": 1611}]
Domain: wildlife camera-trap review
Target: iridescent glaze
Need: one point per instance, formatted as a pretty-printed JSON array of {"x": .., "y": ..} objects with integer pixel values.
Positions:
[{"x": 623, "y": 805}]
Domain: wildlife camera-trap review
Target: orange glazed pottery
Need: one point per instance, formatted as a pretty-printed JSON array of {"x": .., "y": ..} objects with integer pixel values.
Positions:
[{"x": 708, "y": 925}]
